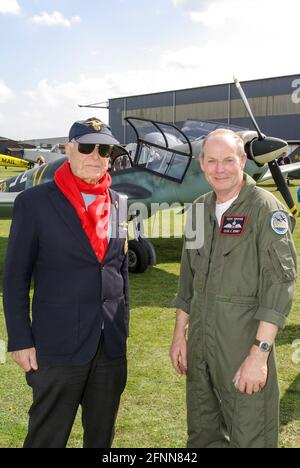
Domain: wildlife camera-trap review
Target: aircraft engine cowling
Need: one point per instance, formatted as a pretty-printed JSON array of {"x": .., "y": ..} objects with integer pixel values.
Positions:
[{"x": 266, "y": 150}]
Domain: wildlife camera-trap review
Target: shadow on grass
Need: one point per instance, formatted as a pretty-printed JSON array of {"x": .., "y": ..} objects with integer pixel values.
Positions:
[
  {"x": 168, "y": 250},
  {"x": 288, "y": 335},
  {"x": 157, "y": 287},
  {"x": 290, "y": 404}
]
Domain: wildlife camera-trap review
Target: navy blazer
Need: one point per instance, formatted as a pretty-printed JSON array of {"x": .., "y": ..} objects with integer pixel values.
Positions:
[{"x": 74, "y": 294}]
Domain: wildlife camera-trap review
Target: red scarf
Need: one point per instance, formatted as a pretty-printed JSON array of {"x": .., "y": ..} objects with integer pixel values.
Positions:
[{"x": 95, "y": 219}]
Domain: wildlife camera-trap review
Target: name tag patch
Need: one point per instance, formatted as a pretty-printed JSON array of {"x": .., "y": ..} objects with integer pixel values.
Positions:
[{"x": 233, "y": 225}]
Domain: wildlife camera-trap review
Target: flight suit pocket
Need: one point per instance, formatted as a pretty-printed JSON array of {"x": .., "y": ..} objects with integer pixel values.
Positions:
[
  {"x": 235, "y": 331},
  {"x": 248, "y": 422},
  {"x": 200, "y": 268},
  {"x": 282, "y": 262}
]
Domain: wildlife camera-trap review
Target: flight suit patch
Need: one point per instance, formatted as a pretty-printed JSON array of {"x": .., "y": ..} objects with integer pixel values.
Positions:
[
  {"x": 280, "y": 223},
  {"x": 233, "y": 225}
]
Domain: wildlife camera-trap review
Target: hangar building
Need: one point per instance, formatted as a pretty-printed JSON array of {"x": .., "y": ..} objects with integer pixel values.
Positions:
[{"x": 275, "y": 103}]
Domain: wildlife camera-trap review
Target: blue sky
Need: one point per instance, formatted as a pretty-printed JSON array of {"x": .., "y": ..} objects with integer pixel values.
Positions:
[{"x": 56, "y": 54}]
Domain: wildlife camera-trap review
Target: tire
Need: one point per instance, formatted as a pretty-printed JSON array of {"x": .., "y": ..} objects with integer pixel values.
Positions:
[
  {"x": 138, "y": 257},
  {"x": 151, "y": 251}
]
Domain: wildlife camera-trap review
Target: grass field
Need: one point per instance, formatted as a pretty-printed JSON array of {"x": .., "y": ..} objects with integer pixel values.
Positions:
[{"x": 152, "y": 413}]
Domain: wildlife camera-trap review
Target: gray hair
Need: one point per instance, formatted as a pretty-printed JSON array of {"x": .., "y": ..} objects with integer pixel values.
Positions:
[{"x": 240, "y": 148}]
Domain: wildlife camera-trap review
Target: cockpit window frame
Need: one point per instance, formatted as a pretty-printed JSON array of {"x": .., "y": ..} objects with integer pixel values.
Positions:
[{"x": 141, "y": 142}]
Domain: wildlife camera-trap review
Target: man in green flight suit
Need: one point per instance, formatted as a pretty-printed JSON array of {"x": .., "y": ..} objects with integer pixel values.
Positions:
[{"x": 234, "y": 294}]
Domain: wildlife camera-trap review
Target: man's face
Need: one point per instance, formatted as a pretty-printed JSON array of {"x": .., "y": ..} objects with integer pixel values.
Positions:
[
  {"x": 222, "y": 166},
  {"x": 88, "y": 167}
]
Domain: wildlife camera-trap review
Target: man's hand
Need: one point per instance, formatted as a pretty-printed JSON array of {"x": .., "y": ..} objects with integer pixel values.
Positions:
[
  {"x": 178, "y": 350},
  {"x": 178, "y": 354},
  {"x": 253, "y": 374},
  {"x": 26, "y": 359}
]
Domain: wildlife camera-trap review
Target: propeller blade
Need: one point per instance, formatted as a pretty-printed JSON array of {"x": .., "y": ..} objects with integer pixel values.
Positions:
[
  {"x": 266, "y": 150},
  {"x": 283, "y": 187},
  {"x": 248, "y": 108}
]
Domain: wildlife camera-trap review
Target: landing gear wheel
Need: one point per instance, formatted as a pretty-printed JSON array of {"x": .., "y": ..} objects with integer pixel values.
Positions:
[
  {"x": 150, "y": 249},
  {"x": 138, "y": 257}
]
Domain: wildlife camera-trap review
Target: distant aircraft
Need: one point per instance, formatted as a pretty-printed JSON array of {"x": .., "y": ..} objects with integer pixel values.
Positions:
[
  {"x": 49, "y": 156},
  {"x": 10, "y": 161},
  {"x": 163, "y": 167}
]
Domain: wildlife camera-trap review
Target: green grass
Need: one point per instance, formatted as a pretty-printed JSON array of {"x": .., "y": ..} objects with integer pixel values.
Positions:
[
  {"x": 152, "y": 412},
  {"x": 9, "y": 172}
]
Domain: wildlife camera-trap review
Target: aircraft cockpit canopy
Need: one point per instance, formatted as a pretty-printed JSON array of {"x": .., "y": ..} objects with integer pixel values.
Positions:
[
  {"x": 198, "y": 129},
  {"x": 161, "y": 148}
]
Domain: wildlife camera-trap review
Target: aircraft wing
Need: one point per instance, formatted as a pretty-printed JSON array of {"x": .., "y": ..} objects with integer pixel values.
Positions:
[
  {"x": 8, "y": 197},
  {"x": 48, "y": 155},
  {"x": 6, "y": 204},
  {"x": 286, "y": 169}
]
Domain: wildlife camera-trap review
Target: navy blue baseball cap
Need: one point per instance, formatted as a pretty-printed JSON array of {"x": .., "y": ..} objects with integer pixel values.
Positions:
[{"x": 92, "y": 131}]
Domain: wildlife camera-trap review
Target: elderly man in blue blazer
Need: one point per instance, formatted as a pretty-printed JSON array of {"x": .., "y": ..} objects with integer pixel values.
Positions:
[{"x": 70, "y": 237}]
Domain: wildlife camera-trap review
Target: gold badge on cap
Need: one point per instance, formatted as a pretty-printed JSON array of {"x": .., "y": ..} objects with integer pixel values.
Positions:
[{"x": 96, "y": 124}]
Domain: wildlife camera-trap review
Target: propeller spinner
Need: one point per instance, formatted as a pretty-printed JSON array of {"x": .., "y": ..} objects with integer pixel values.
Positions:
[{"x": 266, "y": 150}]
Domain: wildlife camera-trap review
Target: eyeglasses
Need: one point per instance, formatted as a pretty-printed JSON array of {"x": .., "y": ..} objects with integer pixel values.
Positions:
[{"x": 103, "y": 150}]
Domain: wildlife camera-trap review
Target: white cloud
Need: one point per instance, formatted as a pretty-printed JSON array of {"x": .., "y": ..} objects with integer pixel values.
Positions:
[
  {"x": 9, "y": 6},
  {"x": 49, "y": 109},
  {"x": 218, "y": 13},
  {"x": 253, "y": 39},
  {"x": 190, "y": 57},
  {"x": 251, "y": 44},
  {"x": 261, "y": 13},
  {"x": 209, "y": 64},
  {"x": 212, "y": 13},
  {"x": 5, "y": 93},
  {"x": 192, "y": 4},
  {"x": 95, "y": 53},
  {"x": 55, "y": 19},
  {"x": 216, "y": 62}
]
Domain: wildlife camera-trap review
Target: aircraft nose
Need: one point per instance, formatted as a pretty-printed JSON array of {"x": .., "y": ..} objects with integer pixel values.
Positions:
[{"x": 267, "y": 150}]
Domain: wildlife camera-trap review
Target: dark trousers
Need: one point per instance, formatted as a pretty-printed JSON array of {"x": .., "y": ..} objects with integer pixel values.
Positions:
[{"x": 58, "y": 392}]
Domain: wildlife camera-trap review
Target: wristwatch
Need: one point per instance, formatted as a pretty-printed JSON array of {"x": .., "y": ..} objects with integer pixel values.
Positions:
[{"x": 264, "y": 346}]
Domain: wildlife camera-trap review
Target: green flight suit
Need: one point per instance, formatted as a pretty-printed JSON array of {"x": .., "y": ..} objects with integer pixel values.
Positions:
[{"x": 237, "y": 279}]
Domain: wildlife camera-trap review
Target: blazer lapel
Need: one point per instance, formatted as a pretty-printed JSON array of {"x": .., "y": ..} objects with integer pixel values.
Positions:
[
  {"x": 68, "y": 214},
  {"x": 114, "y": 225}
]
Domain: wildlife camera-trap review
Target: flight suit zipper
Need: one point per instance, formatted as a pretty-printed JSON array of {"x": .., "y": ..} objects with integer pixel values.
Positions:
[{"x": 207, "y": 281}]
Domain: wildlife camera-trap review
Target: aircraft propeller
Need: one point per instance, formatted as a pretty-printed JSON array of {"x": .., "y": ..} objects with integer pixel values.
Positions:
[{"x": 267, "y": 150}]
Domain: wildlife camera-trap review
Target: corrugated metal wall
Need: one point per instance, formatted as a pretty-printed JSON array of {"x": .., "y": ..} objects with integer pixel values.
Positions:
[{"x": 274, "y": 101}]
